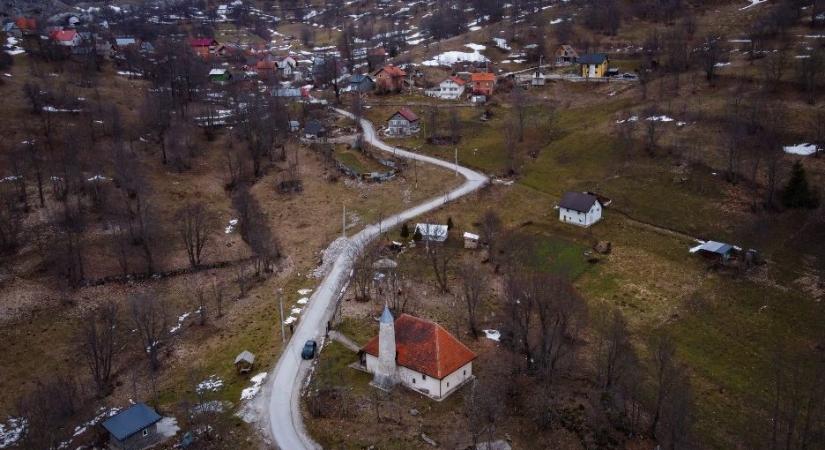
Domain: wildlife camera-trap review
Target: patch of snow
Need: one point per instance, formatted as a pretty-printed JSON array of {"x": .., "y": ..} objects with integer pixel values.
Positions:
[
  {"x": 451, "y": 57},
  {"x": 660, "y": 119},
  {"x": 12, "y": 430},
  {"x": 304, "y": 291},
  {"x": 303, "y": 300},
  {"x": 212, "y": 383},
  {"x": 168, "y": 427},
  {"x": 752, "y": 4},
  {"x": 295, "y": 311},
  {"x": 801, "y": 149},
  {"x": 50, "y": 108},
  {"x": 181, "y": 319},
  {"x": 494, "y": 335},
  {"x": 721, "y": 64},
  {"x": 97, "y": 177},
  {"x": 250, "y": 392},
  {"x": 629, "y": 119},
  {"x": 231, "y": 227},
  {"x": 289, "y": 320}
]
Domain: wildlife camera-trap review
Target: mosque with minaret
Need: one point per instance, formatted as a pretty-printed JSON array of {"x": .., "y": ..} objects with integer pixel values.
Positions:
[{"x": 418, "y": 354}]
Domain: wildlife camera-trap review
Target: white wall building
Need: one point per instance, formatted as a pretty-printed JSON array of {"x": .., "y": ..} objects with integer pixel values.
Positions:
[
  {"x": 418, "y": 354},
  {"x": 580, "y": 209},
  {"x": 450, "y": 89}
]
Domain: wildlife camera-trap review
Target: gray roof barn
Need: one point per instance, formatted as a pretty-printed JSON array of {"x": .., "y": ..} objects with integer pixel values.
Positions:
[
  {"x": 245, "y": 356},
  {"x": 577, "y": 201},
  {"x": 130, "y": 421}
]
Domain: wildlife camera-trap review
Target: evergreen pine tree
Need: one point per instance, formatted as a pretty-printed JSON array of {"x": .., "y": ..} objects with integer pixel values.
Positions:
[
  {"x": 417, "y": 236},
  {"x": 449, "y": 223},
  {"x": 797, "y": 193},
  {"x": 405, "y": 231}
]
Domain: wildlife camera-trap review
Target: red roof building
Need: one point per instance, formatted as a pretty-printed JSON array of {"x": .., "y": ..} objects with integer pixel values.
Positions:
[
  {"x": 390, "y": 78},
  {"x": 483, "y": 83},
  {"x": 27, "y": 25},
  {"x": 429, "y": 359},
  {"x": 69, "y": 38}
]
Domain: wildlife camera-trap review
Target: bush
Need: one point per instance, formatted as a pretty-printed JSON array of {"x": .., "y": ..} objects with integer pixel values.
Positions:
[{"x": 797, "y": 193}]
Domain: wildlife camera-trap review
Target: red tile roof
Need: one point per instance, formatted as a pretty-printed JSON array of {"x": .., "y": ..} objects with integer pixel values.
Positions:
[
  {"x": 202, "y": 42},
  {"x": 26, "y": 24},
  {"x": 406, "y": 113},
  {"x": 457, "y": 80},
  {"x": 392, "y": 71},
  {"x": 265, "y": 65},
  {"x": 425, "y": 347},
  {"x": 482, "y": 76},
  {"x": 64, "y": 35}
]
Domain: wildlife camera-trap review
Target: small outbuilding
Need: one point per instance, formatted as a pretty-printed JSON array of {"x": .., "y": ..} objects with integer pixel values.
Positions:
[
  {"x": 245, "y": 361},
  {"x": 314, "y": 129},
  {"x": 219, "y": 75},
  {"x": 579, "y": 208},
  {"x": 470, "y": 240},
  {"x": 713, "y": 249},
  {"x": 134, "y": 428}
]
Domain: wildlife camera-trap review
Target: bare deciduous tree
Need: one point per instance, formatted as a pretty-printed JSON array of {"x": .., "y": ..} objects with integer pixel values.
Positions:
[
  {"x": 150, "y": 318},
  {"x": 195, "y": 223},
  {"x": 474, "y": 284},
  {"x": 99, "y": 343}
]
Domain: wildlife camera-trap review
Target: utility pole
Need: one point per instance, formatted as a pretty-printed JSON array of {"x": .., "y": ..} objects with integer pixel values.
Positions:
[
  {"x": 281, "y": 307},
  {"x": 344, "y": 220},
  {"x": 456, "y": 161}
]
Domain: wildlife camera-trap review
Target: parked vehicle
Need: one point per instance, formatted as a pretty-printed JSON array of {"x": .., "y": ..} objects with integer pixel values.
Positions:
[{"x": 309, "y": 349}]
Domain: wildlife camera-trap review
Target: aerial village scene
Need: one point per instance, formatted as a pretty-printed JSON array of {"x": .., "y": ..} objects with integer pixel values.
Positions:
[{"x": 385, "y": 224}]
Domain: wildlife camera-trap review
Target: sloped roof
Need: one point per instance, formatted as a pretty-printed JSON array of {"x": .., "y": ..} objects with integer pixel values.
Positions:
[
  {"x": 26, "y": 23},
  {"x": 64, "y": 35},
  {"x": 265, "y": 65},
  {"x": 577, "y": 201},
  {"x": 245, "y": 356},
  {"x": 592, "y": 58},
  {"x": 392, "y": 71},
  {"x": 482, "y": 76},
  {"x": 455, "y": 80},
  {"x": 425, "y": 347},
  {"x": 202, "y": 42},
  {"x": 719, "y": 248},
  {"x": 359, "y": 78},
  {"x": 406, "y": 113},
  {"x": 131, "y": 420}
]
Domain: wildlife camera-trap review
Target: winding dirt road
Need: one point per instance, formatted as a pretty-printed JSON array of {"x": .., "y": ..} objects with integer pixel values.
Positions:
[{"x": 285, "y": 421}]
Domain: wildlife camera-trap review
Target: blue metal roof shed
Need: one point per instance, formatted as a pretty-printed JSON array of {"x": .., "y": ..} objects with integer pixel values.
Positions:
[{"x": 131, "y": 420}]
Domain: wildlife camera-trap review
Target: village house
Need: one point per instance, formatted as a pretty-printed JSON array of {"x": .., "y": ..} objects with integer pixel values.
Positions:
[
  {"x": 314, "y": 129},
  {"x": 432, "y": 232},
  {"x": 566, "y": 55},
  {"x": 27, "y": 25},
  {"x": 134, "y": 428},
  {"x": 593, "y": 65},
  {"x": 580, "y": 209},
  {"x": 483, "y": 83},
  {"x": 390, "y": 79},
  {"x": 286, "y": 66},
  {"x": 219, "y": 75},
  {"x": 203, "y": 47},
  {"x": 266, "y": 67},
  {"x": 360, "y": 83},
  {"x": 12, "y": 30},
  {"x": 403, "y": 122},
  {"x": 450, "y": 89},
  {"x": 418, "y": 354},
  {"x": 66, "y": 38}
]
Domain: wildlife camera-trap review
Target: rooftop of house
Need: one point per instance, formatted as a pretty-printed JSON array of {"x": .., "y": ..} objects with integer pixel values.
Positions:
[
  {"x": 719, "y": 248},
  {"x": 482, "y": 76},
  {"x": 131, "y": 420},
  {"x": 406, "y": 113},
  {"x": 425, "y": 347},
  {"x": 359, "y": 78},
  {"x": 456, "y": 80},
  {"x": 201, "y": 42},
  {"x": 577, "y": 201},
  {"x": 313, "y": 127},
  {"x": 392, "y": 71},
  {"x": 64, "y": 35},
  {"x": 593, "y": 58}
]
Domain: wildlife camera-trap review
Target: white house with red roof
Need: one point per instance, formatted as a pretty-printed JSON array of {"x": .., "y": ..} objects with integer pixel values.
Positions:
[
  {"x": 450, "y": 89},
  {"x": 67, "y": 38},
  {"x": 403, "y": 122},
  {"x": 418, "y": 354}
]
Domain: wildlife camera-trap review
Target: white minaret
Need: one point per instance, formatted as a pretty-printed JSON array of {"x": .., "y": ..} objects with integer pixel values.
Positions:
[{"x": 385, "y": 376}]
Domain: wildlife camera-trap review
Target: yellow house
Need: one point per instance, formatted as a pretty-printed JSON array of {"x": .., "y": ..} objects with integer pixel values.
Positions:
[{"x": 593, "y": 65}]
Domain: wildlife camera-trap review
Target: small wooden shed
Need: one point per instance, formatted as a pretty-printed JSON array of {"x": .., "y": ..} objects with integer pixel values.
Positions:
[
  {"x": 470, "y": 240},
  {"x": 244, "y": 361}
]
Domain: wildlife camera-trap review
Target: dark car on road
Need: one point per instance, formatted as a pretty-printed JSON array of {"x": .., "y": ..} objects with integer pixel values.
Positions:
[{"x": 309, "y": 349}]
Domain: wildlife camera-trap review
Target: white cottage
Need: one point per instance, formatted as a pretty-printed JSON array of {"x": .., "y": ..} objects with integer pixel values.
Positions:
[
  {"x": 418, "y": 354},
  {"x": 403, "y": 123},
  {"x": 432, "y": 232},
  {"x": 450, "y": 89},
  {"x": 580, "y": 209}
]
